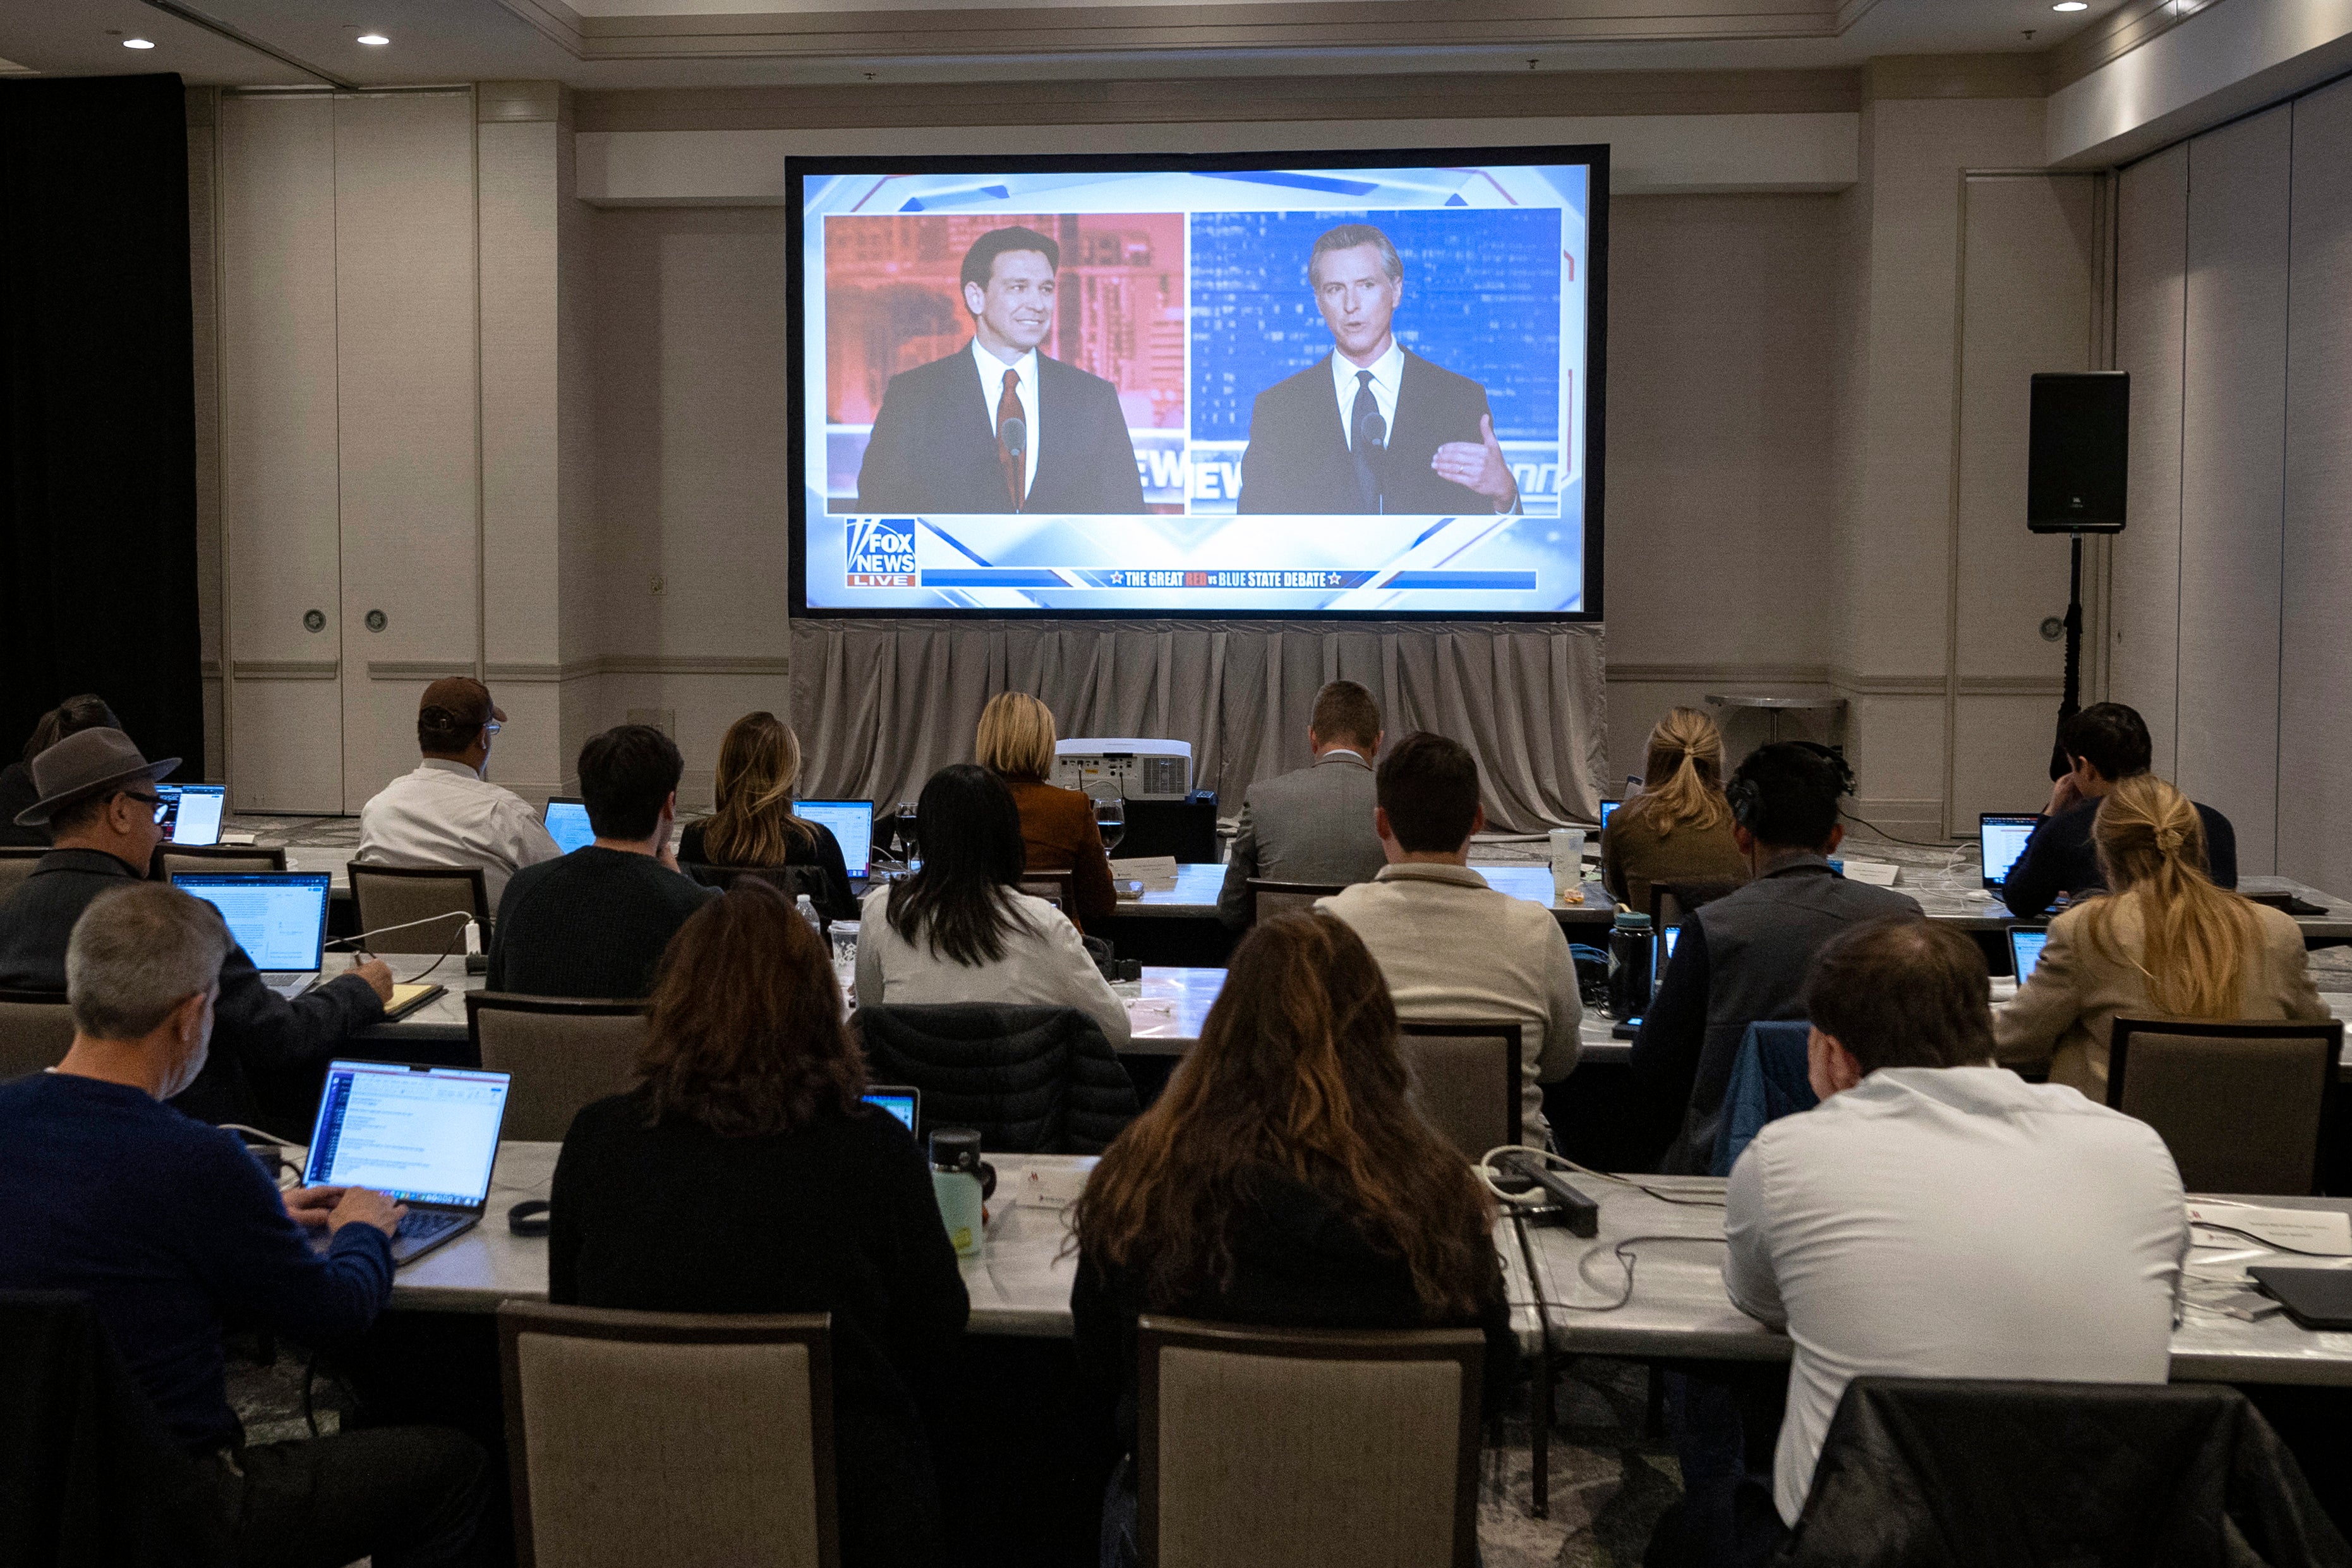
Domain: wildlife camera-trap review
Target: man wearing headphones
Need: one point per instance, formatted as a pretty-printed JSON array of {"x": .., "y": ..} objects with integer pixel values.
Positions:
[{"x": 1743, "y": 958}]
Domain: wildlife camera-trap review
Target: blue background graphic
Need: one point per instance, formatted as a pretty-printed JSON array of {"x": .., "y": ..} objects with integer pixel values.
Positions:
[{"x": 1481, "y": 299}]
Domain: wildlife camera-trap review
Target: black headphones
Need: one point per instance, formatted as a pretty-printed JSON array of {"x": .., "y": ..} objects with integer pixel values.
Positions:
[
  {"x": 529, "y": 1217},
  {"x": 1746, "y": 797}
]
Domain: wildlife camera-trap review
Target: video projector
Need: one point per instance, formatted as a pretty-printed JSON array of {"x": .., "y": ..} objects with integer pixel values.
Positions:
[{"x": 1136, "y": 769}]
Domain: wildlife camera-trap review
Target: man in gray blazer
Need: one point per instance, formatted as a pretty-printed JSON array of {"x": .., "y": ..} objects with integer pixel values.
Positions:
[{"x": 1316, "y": 825}]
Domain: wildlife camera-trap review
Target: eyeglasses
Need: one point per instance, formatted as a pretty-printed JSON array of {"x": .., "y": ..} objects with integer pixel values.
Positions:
[
  {"x": 491, "y": 726},
  {"x": 155, "y": 801}
]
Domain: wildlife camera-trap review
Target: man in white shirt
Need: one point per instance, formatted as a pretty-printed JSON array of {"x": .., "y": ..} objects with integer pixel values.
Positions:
[
  {"x": 1940, "y": 1216},
  {"x": 1315, "y": 824},
  {"x": 1452, "y": 948},
  {"x": 448, "y": 813}
]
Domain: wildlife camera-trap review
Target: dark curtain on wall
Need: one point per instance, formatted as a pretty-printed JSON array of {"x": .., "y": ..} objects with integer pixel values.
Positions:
[{"x": 98, "y": 457}]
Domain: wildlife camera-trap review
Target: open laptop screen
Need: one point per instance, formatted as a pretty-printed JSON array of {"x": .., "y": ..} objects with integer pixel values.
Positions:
[
  {"x": 2001, "y": 836},
  {"x": 423, "y": 1135},
  {"x": 279, "y": 918},
  {"x": 899, "y": 1102},
  {"x": 191, "y": 813},
  {"x": 1608, "y": 810},
  {"x": 851, "y": 823},
  {"x": 567, "y": 823},
  {"x": 2025, "y": 944}
]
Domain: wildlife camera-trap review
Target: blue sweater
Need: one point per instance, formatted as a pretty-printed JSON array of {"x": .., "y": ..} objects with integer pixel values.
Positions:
[{"x": 171, "y": 1228}]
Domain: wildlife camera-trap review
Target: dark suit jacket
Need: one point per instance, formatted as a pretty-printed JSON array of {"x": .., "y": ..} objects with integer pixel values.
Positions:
[
  {"x": 262, "y": 1043},
  {"x": 934, "y": 445},
  {"x": 1299, "y": 461}
]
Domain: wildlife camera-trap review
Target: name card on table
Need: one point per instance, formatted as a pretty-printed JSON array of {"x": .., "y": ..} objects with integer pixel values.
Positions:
[{"x": 2327, "y": 1232}]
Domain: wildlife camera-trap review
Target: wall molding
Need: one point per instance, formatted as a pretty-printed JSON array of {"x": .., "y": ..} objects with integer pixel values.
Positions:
[
  {"x": 1704, "y": 674},
  {"x": 1862, "y": 684},
  {"x": 1956, "y": 76},
  {"x": 694, "y": 664},
  {"x": 2116, "y": 34},
  {"x": 285, "y": 668},
  {"x": 2012, "y": 686},
  {"x": 417, "y": 669}
]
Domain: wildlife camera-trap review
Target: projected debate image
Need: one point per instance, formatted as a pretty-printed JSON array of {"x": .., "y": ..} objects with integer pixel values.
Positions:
[{"x": 1289, "y": 390}]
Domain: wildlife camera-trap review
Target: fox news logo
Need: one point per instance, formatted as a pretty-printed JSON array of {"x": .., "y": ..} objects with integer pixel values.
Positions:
[{"x": 881, "y": 552}]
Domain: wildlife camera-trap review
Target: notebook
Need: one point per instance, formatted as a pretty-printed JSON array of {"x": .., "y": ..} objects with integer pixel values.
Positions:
[
  {"x": 2001, "y": 836},
  {"x": 426, "y": 1136},
  {"x": 567, "y": 823},
  {"x": 2025, "y": 944},
  {"x": 191, "y": 814},
  {"x": 279, "y": 918},
  {"x": 851, "y": 823}
]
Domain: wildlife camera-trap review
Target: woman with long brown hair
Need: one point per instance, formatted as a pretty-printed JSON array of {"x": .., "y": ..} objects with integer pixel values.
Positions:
[
  {"x": 1678, "y": 829},
  {"x": 1283, "y": 1178},
  {"x": 759, "y": 763},
  {"x": 2163, "y": 941},
  {"x": 745, "y": 1174}
]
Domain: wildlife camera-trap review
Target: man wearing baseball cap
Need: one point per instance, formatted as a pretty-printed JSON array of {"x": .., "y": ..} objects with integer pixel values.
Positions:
[
  {"x": 97, "y": 799},
  {"x": 448, "y": 813}
]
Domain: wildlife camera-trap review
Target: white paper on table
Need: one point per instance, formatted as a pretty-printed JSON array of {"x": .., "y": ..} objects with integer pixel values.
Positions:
[
  {"x": 2324, "y": 1232},
  {"x": 1877, "y": 873},
  {"x": 1156, "y": 872},
  {"x": 1054, "y": 1187}
]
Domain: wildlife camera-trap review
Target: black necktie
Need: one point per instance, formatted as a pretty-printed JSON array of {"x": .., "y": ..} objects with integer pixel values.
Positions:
[{"x": 1366, "y": 409}]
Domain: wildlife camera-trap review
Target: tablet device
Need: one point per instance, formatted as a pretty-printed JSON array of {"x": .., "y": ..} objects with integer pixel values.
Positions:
[
  {"x": 2025, "y": 944},
  {"x": 2314, "y": 1298}
]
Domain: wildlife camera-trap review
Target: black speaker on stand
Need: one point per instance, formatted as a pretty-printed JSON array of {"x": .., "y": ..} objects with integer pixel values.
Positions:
[{"x": 2077, "y": 472}]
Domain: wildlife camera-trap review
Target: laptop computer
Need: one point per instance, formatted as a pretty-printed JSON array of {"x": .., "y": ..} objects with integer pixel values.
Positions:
[
  {"x": 192, "y": 814},
  {"x": 1608, "y": 809},
  {"x": 2025, "y": 943},
  {"x": 426, "y": 1136},
  {"x": 567, "y": 823},
  {"x": 902, "y": 1101},
  {"x": 851, "y": 823},
  {"x": 279, "y": 918},
  {"x": 2001, "y": 836}
]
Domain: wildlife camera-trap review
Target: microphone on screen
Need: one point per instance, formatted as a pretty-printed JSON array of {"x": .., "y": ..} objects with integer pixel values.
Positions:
[
  {"x": 1015, "y": 433},
  {"x": 1374, "y": 433}
]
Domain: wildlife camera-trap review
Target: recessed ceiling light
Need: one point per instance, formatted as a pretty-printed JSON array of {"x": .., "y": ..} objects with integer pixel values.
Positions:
[
  {"x": 374, "y": 39},
  {"x": 2072, "y": 5},
  {"x": 137, "y": 44}
]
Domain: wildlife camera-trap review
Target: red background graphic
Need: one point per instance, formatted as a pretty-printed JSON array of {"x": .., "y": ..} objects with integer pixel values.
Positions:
[{"x": 892, "y": 302}]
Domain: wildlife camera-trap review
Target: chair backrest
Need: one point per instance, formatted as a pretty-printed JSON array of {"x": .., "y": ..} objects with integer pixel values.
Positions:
[
  {"x": 172, "y": 859},
  {"x": 1306, "y": 1447},
  {"x": 638, "y": 1438},
  {"x": 390, "y": 899},
  {"x": 17, "y": 863},
  {"x": 563, "y": 1054},
  {"x": 2242, "y": 1106},
  {"x": 1670, "y": 901},
  {"x": 1466, "y": 1081},
  {"x": 1269, "y": 899},
  {"x": 1030, "y": 1080},
  {"x": 1057, "y": 887},
  {"x": 35, "y": 1029}
]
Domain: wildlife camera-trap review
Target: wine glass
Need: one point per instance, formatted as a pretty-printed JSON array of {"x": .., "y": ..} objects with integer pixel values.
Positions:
[
  {"x": 1110, "y": 815},
  {"x": 909, "y": 848}
]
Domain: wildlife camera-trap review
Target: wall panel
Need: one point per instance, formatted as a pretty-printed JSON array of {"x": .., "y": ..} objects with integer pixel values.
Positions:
[
  {"x": 280, "y": 503},
  {"x": 2315, "y": 748},
  {"x": 406, "y": 373},
  {"x": 2151, "y": 317},
  {"x": 2233, "y": 472}
]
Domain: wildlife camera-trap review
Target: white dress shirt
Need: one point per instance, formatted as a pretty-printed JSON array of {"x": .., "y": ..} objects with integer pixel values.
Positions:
[
  {"x": 1044, "y": 965},
  {"x": 1952, "y": 1222},
  {"x": 1455, "y": 950},
  {"x": 1388, "y": 376},
  {"x": 445, "y": 813},
  {"x": 992, "y": 381}
]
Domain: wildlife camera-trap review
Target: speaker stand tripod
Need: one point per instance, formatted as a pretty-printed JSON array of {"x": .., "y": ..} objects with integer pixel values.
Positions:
[{"x": 2070, "y": 700}]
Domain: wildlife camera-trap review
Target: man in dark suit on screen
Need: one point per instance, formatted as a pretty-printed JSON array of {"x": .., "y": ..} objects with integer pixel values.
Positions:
[
  {"x": 998, "y": 428},
  {"x": 1370, "y": 427}
]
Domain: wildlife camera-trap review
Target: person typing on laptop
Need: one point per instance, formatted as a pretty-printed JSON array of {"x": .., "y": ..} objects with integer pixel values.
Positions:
[
  {"x": 171, "y": 1229},
  {"x": 2108, "y": 743},
  {"x": 96, "y": 797},
  {"x": 447, "y": 812}
]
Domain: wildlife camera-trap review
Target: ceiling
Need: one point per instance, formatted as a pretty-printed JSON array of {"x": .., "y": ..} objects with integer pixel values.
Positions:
[{"x": 620, "y": 44}]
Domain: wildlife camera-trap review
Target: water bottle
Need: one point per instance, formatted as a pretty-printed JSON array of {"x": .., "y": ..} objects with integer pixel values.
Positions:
[
  {"x": 1632, "y": 945},
  {"x": 957, "y": 1184},
  {"x": 807, "y": 907}
]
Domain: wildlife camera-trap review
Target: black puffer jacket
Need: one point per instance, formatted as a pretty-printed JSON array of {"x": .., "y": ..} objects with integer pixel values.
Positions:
[
  {"x": 1953, "y": 1473},
  {"x": 1032, "y": 1080}
]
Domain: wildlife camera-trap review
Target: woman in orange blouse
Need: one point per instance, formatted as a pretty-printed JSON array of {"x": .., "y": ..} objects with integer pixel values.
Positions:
[{"x": 1058, "y": 825}]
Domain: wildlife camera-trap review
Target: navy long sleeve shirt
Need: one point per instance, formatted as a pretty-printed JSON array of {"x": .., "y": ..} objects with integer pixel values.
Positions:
[
  {"x": 2059, "y": 858},
  {"x": 173, "y": 1230}
]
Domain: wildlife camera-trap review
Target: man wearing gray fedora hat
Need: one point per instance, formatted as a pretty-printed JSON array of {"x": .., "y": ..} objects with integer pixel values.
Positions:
[{"x": 97, "y": 799}]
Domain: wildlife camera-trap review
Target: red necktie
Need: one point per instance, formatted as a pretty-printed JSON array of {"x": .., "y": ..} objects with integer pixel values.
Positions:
[{"x": 1016, "y": 464}]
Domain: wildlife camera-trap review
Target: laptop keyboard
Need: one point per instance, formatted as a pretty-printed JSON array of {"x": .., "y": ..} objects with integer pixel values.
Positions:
[{"x": 424, "y": 1224}]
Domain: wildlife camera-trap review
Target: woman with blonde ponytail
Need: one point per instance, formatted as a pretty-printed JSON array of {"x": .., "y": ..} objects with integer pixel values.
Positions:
[
  {"x": 1678, "y": 829},
  {"x": 2164, "y": 942}
]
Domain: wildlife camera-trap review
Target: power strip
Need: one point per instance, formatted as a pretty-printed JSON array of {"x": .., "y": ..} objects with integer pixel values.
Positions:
[{"x": 1578, "y": 1211}]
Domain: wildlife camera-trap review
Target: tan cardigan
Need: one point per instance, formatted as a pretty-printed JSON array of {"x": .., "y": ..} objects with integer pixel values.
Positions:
[
  {"x": 2065, "y": 1012},
  {"x": 1634, "y": 854}
]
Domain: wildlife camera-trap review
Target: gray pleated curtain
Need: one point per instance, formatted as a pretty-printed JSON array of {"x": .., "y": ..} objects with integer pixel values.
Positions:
[{"x": 881, "y": 704}]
